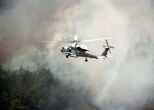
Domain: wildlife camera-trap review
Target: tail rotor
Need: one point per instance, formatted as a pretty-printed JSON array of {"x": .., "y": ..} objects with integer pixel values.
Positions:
[{"x": 108, "y": 46}]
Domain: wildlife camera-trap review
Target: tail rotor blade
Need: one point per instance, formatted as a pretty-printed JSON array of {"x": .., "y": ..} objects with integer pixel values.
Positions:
[
  {"x": 107, "y": 43},
  {"x": 109, "y": 51},
  {"x": 109, "y": 46}
]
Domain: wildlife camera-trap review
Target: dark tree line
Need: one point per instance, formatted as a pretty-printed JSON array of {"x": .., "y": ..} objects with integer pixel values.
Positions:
[
  {"x": 35, "y": 90},
  {"x": 40, "y": 90},
  {"x": 149, "y": 105}
]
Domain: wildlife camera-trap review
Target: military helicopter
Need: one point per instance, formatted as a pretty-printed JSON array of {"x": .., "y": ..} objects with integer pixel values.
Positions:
[{"x": 74, "y": 49}]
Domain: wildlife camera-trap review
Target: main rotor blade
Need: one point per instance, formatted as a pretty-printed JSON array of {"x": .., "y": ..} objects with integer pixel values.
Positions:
[
  {"x": 45, "y": 41},
  {"x": 75, "y": 37},
  {"x": 91, "y": 40},
  {"x": 48, "y": 42}
]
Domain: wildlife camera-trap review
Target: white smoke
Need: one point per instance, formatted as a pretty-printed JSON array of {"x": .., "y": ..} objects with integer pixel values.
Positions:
[{"x": 124, "y": 81}]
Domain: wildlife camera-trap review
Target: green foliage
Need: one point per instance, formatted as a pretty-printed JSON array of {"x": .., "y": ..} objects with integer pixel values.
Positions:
[
  {"x": 32, "y": 90},
  {"x": 149, "y": 105}
]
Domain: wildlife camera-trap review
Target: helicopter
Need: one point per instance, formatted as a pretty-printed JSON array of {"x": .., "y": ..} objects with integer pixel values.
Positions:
[{"x": 74, "y": 49}]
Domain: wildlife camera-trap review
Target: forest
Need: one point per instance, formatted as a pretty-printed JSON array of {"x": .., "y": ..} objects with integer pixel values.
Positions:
[
  {"x": 38, "y": 90},
  {"x": 23, "y": 89}
]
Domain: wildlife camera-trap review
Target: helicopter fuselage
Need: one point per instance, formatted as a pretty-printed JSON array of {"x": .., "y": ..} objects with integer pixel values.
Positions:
[{"x": 74, "y": 50}]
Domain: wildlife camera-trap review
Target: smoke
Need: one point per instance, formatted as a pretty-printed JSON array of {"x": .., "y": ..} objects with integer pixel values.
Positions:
[
  {"x": 30, "y": 21},
  {"x": 124, "y": 81}
]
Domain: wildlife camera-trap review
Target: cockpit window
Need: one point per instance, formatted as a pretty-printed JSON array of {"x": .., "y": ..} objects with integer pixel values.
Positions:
[{"x": 83, "y": 47}]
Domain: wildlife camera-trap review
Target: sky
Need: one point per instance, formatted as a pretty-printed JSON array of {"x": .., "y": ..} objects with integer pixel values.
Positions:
[{"x": 122, "y": 82}]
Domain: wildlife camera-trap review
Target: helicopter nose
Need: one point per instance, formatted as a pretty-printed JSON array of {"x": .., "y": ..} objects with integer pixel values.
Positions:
[{"x": 62, "y": 50}]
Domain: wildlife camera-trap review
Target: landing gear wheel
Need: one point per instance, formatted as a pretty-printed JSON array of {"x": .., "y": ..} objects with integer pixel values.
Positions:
[
  {"x": 86, "y": 60},
  {"x": 66, "y": 56}
]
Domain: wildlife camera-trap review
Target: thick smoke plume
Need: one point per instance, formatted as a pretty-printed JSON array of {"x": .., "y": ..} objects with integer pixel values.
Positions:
[{"x": 122, "y": 82}]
